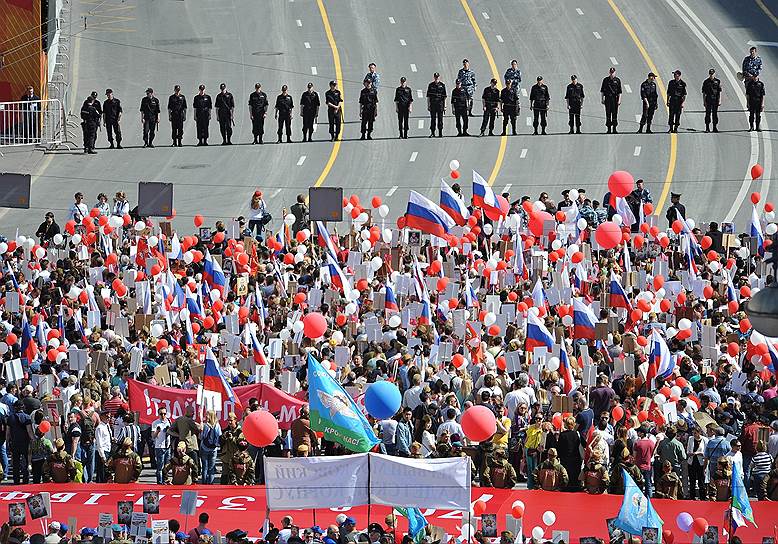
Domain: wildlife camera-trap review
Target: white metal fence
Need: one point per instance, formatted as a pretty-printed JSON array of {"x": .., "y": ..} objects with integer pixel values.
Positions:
[{"x": 36, "y": 122}]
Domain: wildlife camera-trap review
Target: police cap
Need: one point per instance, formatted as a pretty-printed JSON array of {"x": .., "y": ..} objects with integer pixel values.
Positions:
[
  {"x": 201, "y": 87},
  {"x": 436, "y": 74},
  {"x": 223, "y": 86},
  {"x": 149, "y": 90},
  {"x": 494, "y": 81},
  {"x": 310, "y": 84},
  {"x": 108, "y": 91},
  {"x": 573, "y": 76},
  {"x": 651, "y": 74},
  {"x": 177, "y": 88},
  {"x": 677, "y": 73},
  {"x": 257, "y": 85},
  {"x": 711, "y": 72},
  {"x": 333, "y": 83},
  {"x": 540, "y": 78}
]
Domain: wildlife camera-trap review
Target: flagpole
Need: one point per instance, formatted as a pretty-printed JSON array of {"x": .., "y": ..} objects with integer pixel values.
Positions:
[{"x": 369, "y": 498}]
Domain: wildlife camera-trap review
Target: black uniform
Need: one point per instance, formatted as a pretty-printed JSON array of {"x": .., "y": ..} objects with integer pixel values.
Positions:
[
  {"x": 225, "y": 103},
  {"x": 574, "y": 96},
  {"x": 510, "y": 108},
  {"x": 112, "y": 110},
  {"x": 490, "y": 98},
  {"x": 436, "y": 94},
  {"x": 539, "y": 99},
  {"x": 611, "y": 91},
  {"x": 403, "y": 98},
  {"x": 649, "y": 99},
  {"x": 755, "y": 98},
  {"x": 711, "y": 95},
  {"x": 284, "y": 107},
  {"x": 149, "y": 109},
  {"x": 31, "y": 119},
  {"x": 676, "y": 211},
  {"x": 368, "y": 103},
  {"x": 309, "y": 108},
  {"x": 258, "y": 109},
  {"x": 334, "y": 115},
  {"x": 176, "y": 109},
  {"x": 460, "y": 103},
  {"x": 99, "y": 109},
  {"x": 202, "y": 105},
  {"x": 90, "y": 120},
  {"x": 676, "y": 94}
]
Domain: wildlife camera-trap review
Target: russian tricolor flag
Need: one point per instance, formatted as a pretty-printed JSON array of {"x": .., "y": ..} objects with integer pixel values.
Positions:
[
  {"x": 29, "y": 347},
  {"x": 756, "y": 230},
  {"x": 428, "y": 217},
  {"x": 537, "y": 334},
  {"x": 213, "y": 379},
  {"x": 583, "y": 320},
  {"x": 390, "y": 303},
  {"x": 193, "y": 304},
  {"x": 483, "y": 196},
  {"x": 212, "y": 274},
  {"x": 425, "y": 318},
  {"x": 539, "y": 298},
  {"x": 324, "y": 238},
  {"x": 618, "y": 297},
  {"x": 660, "y": 361},
  {"x": 453, "y": 204},
  {"x": 257, "y": 350},
  {"x": 337, "y": 276},
  {"x": 567, "y": 372}
]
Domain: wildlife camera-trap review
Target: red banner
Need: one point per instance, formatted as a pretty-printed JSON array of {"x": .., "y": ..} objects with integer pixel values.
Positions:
[
  {"x": 146, "y": 400},
  {"x": 232, "y": 507}
]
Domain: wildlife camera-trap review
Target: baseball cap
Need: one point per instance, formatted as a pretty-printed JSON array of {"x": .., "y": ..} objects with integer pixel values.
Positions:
[
  {"x": 258, "y": 193},
  {"x": 349, "y": 521},
  {"x": 55, "y": 526},
  {"x": 651, "y": 74}
]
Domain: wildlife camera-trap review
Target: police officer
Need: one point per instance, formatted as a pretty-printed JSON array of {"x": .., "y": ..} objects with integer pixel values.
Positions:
[
  {"x": 575, "y": 97},
  {"x": 309, "y": 111},
  {"x": 514, "y": 74},
  {"x": 711, "y": 97},
  {"x": 610, "y": 90},
  {"x": 755, "y": 97},
  {"x": 334, "y": 109},
  {"x": 202, "y": 105},
  {"x": 149, "y": 117},
  {"x": 368, "y": 107},
  {"x": 96, "y": 104},
  {"x": 676, "y": 209},
  {"x": 31, "y": 106},
  {"x": 676, "y": 95},
  {"x": 90, "y": 120},
  {"x": 284, "y": 107},
  {"x": 225, "y": 105},
  {"x": 112, "y": 114},
  {"x": 403, "y": 102},
  {"x": 539, "y": 99},
  {"x": 176, "y": 112},
  {"x": 649, "y": 99},
  {"x": 436, "y": 103},
  {"x": 373, "y": 76},
  {"x": 258, "y": 111},
  {"x": 509, "y": 106},
  {"x": 467, "y": 77},
  {"x": 459, "y": 105},
  {"x": 490, "y": 99}
]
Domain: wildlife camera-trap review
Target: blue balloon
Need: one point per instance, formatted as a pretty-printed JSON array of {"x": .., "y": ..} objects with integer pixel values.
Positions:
[{"x": 382, "y": 400}]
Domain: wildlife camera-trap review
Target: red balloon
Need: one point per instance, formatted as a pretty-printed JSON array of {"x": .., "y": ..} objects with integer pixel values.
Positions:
[
  {"x": 161, "y": 344},
  {"x": 617, "y": 413},
  {"x": 621, "y": 183},
  {"x": 677, "y": 226},
  {"x": 218, "y": 238},
  {"x": 502, "y": 364},
  {"x": 208, "y": 322},
  {"x": 478, "y": 423},
  {"x": 699, "y": 526},
  {"x": 494, "y": 330},
  {"x": 340, "y": 320},
  {"x": 755, "y": 197},
  {"x": 260, "y": 428},
  {"x": 401, "y": 222},
  {"x": 455, "y": 174},
  {"x": 536, "y": 221},
  {"x": 479, "y": 507},
  {"x": 642, "y": 341},
  {"x": 642, "y": 416},
  {"x": 299, "y": 298},
  {"x": 706, "y": 242},
  {"x": 243, "y": 313},
  {"x": 667, "y": 536},
  {"x": 757, "y": 171},
  {"x": 442, "y": 283},
  {"x": 665, "y": 305},
  {"x": 733, "y": 306},
  {"x": 517, "y": 511},
  {"x": 44, "y": 426},
  {"x": 458, "y": 360},
  {"x": 707, "y": 291},
  {"x": 556, "y": 421},
  {"x": 608, "y": 235},
  {"x": 198, "y": 220},
  {"x": 376, "y": 201},
  {"x": 314, "y": 325},
  {"x": 733, "y": 348},
  {"x": 636, "y": 315}
]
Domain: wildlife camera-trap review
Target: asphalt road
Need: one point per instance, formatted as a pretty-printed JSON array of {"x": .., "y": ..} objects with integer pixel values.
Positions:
[{"x": 130, "y": 45}]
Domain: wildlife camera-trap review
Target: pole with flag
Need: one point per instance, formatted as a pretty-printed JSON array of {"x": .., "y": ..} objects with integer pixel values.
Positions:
[{"x": 740, "y": 508}]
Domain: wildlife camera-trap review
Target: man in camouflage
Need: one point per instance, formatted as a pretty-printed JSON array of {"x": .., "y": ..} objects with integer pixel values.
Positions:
[
  {"x": 181, "y": 470},
  {"x": 228, "y": 442},
  {"x": 126, "y": 465},
  {"x": 467, "y": 77},
  {"x": 59, "y": 467},
  {"x": 242, "y": 466}
]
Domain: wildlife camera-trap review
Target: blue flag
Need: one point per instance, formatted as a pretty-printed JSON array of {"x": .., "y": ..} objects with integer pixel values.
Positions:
[
  {"x": 636, "y": 511},
  {"x": 416, "y": 522},
  {"x": 335, "y": 413},
  {"x": 741, "y": 507}
]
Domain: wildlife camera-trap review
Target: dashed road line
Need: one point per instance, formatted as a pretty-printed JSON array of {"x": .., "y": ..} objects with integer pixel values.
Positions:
[
  {"x": 499, "y": 38},
  {"x": 299, "y": 22},
  {"x": 637, "y": 151},
  {"x": 413, "y": 156},
  {"x": 413, "y": 68},
  {"x": 307, "y": 45},
  {"x": 627, "y": 88},
  {"x": 275, "y": 193},
  {"x": 486, "y": 15},
  {"x": 421, "y": 123},
  {"x": 301, "y": 160},
  {"x": 523, "y": 153},
  {"x": 579, "y": 11},
  {"x": 507, "y": 188},
  {"x": 391, "y": 191},
  {"x": 419, "y": 93},
  {"x": 391, "y": 20},
  {"x": 524, "y": 92},
  {"x": 638, "y": 117},
  {"x": 529, "y": 121},
  {"x": 597, "y": 35},
  {"x": 314, "y": 71},
  {"x": 614, "y": 61},
  {"x": 402, "y": 42}
]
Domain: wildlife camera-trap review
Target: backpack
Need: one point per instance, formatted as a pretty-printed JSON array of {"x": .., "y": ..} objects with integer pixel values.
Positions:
[
  {"x": 209, "y": 439},
  {"x": 181, "y": 474},
  {"x": 547, "y": 478},
  {"x": 59, "y": 471},
  {"x": 593, "y": 482},
  {"x": 87, "y": 429},
  {"x": 499, "y": 476}
]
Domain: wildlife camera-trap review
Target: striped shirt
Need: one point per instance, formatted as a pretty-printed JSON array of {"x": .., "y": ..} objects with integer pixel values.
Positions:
[{"x": 760, "y": 464}]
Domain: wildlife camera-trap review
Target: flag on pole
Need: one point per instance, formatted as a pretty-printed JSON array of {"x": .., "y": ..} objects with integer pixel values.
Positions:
[
  {"x": 741, "y": 507},
  {"x": 416, "y": 522},
  {"x": 636, "y": 510},
  {"x": 213, "y": 379},
  {"x": 453, "y": 204},
  {"x": 584, "y": 320},
  {"x": 426, "y": 216},
  {"x": 537, "y": 334},
  {"x": 756, "y": 231}
]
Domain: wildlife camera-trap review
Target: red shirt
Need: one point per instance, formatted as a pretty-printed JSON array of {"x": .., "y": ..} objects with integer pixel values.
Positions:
[{"x": 644, "y": 451}]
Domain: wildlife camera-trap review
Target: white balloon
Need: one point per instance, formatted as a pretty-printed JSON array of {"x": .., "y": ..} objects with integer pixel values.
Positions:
[
  {"x": 684, "y": 324},
  {"x": 61, "y": 356},
  {"x": 487, "y": 230},
  {"x": 3, "y": 247},
  {"x": 549, "y": 517},
  {"x": 365, "y": 234},
  {"x": 54, "y": 343},
  {"x": 188, "y": 257},
  {"x": 298, "y": 258},
  {"x": 140, "y": 225},
  {"x": 675, "y": 391},
  {"x": 567, "y": 320},
  {"x": 116, "y": 221},
  {"x": 348, "y": 208},
  {"x": 183, "y": 314},
  {"x": 581, "y": 223},
  {"x": 743, "y": 252},
  {"x": 58, "y": 239},
  {"x": 362, "y": 218},
  {"x": 289, "y": 219},
  {"x": 302, "y": 249},
  {"x": 350, "y": 308},
  {"x": 537, "y": 533},
  {"x": 297, "y": 326},
  {"x": 539, "y": 206},
  {"x": 490, "y": 319},
  {"x": 387, "y": 235},
  {"x": 153, "y": 241},
  {"x": 365, "y": 246},
  {"x": 467, "y": 531},
  {"x": 383, "y": 210},
  {"x": 75, "y": 239},
  {"x": 691, "y": 223},
  {"x": 517, "y": 503},
  {"x": 353, "y": 295},
  {"x": 660, "y": 399},
  {"x": 3, "y": 348},
  {"x": 74, "y": 292},
  {"x": 306, "y": 233},
  {"x": 573, "y": 194},
  {"x": 40, "y": 253},
  {"x": 771, "y": 229},
  {"x": 337, "y": 337},
  {"x": 661, "y": 292},
  {"x": 553, "y": 364},
  {"x": 770, "y": 216},
  {"x": 376, "y": 263},
  {"x": 395, "y": 321},
  {"x": 453, "y": 164},
  {"x": 714, "y": 266},
  {"x": 157, "y": 330},
  {"x": 215, "y": 294},
  {"x": 556, "y": 244},
  {"x": 573, "y": 248},
  {"x": 617, "y": 219},
  {"x": 21, "y": 240},
  {"x": 284, "y": 335},
  {"x": 534, "y": 311}
]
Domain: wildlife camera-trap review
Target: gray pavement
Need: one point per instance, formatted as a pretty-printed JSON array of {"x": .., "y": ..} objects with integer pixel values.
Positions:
[{"x": 132, "y": 44}]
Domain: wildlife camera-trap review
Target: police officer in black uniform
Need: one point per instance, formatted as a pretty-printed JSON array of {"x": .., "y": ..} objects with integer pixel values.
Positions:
[
  {"x": 202, "y": 105},
  {"x": 574, "y": 94},
  {"x": 112, "y": 114},
  {"x": 676, "y": 96},
  {"x": 284, "y": 107},
  {"x": 149, "y": 116},
  {"x": 610, "y": 90},
  {"x": 90, "y": 120},
  {"x": 403, "y": 103},
  {"x": 649, "y": 99},
  {"x": 755, "y": 98},
  {"x": 509, "y": 106},
  {"x": 676, "y": 209},
  {"x": 368, "y": 108},
  {"x": 460, "y": 101},
  {"x": 334, "y": 102},
  {"x": 490, "y": 99},
  {"x": 436, "y": 104},
  {"x": 176, "y": 112},
  {"x": 225, "y": 105},
  {"x": 539, "y": 99},
  {"x": 309, "y": 110},
  {"x": 258, "y": 111},
  {"x": 711, "y": 97},
  {"x": 96, "y": 104}
]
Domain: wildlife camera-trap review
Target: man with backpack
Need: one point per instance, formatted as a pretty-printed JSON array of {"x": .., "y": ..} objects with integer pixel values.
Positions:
[
  {"x": 125, "y": 465},
  {"x": 498, "y": 472},
  {"x": 87, "y": 442},
  {"x": 59, "y": 468},
  {"x": 181, "y": 470}
]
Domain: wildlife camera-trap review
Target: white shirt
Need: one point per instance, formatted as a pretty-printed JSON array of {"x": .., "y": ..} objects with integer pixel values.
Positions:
[
  {"x": 104, "y": 207},
  {"x": 513, "y": 399},
  {"x": 78, "y": 212},
  {"x": 162, "y": 440},
  {"x": 283, "y": 535},
  {"x": 452, "y": 427},
  {"x": 256, "y": 215},
  {"x": 737, "y": 459},
  {"x": 412, "y": 397},
  {"x": 388, "y": 428},
  {"x": 120, "y": 208},
  {"x": 103, "y": 437}
]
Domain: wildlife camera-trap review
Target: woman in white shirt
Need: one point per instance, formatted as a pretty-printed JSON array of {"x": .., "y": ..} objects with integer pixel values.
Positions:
[
  {"x": 120, "y": 205},
  {"x": 257, "y": 212},
  {"x": 695, "y": 456},
  {"x": 424, "y": 437},
  {"x": 102, "y": 204}
]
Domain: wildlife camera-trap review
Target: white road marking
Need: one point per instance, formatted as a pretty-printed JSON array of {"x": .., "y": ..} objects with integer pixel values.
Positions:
[
  {"x": 299, "y": 22},
  {"x": 391, "y": 20},
  {"x": 413, "y": 156},
  {"x": 391, "y": 191},
  {"x": 314, "y": 71},
  {"x": 402, "y": 42},
  {"x": 638, "y": 117},
  {"x": 597, "y": 35},
  {"x": 627, "y": 88},
  {"x": 419, "y": 93},
  {"x": 507, "y": 188},
  {"x": 579, "y": 11},
  {"x": 614, "y": 61},
  {"x": 524, "y": 92},
  {"x": 421, "y": 123},
  {"x": 767, "y": 44},
  {"x": 486, "y": 15},
  {"x": 637, "y": 151},
  {"x": 301, "y": 160},
  {"x": 413, "y": 68},
  {"x": 523, "y": 153},
  {"x": 499, "y": 38},
  {"x": 307, "y": 45},
  {"x": 529, "y": 121},
  {"x": 275, "y": 193}
]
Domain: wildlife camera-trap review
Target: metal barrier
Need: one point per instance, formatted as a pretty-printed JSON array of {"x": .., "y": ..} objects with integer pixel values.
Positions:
[{"x": 36, "y": 122}]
